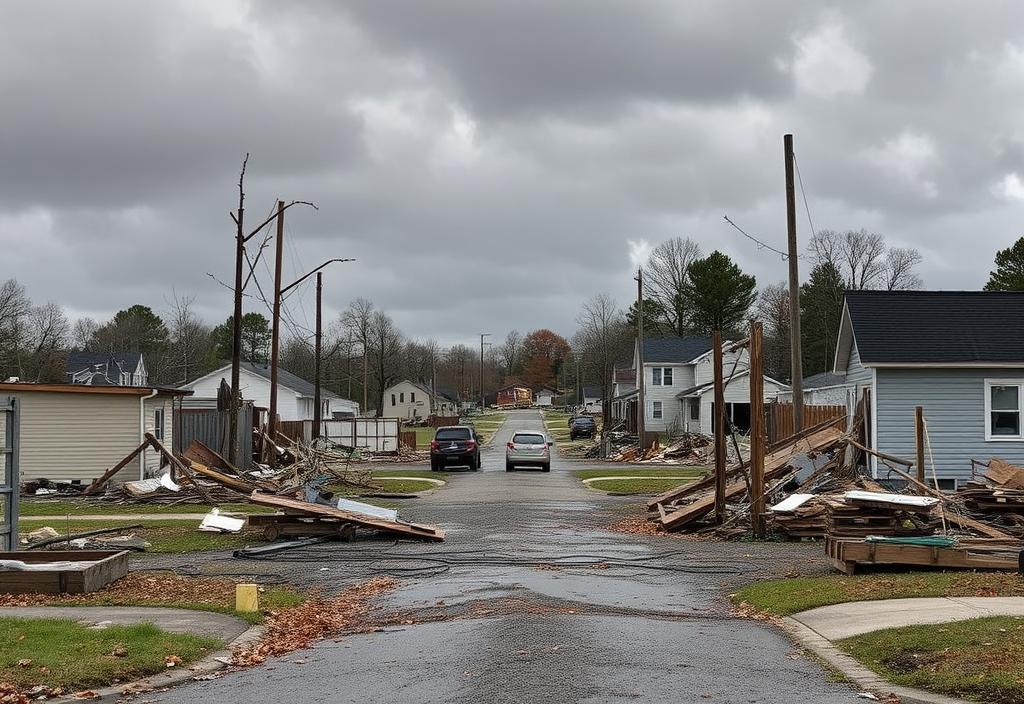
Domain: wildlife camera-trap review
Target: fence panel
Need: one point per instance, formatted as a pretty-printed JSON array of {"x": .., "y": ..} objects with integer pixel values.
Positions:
[
  {"x": 779, "y": 418},
  {"x": 210, "y": 427},
  {"x": 373, "y": 434},
  {"x": 408, "y": 439}
]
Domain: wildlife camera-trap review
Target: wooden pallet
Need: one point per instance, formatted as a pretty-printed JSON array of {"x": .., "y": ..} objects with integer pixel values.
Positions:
[
  {"x": 846, "y": 554},
  {"x": 283, "y": 525}
]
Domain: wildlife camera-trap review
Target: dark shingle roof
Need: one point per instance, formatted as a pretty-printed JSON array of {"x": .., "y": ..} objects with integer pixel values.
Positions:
[
  {"x": 591, "y": 392},
  {"x": 286, "y": 378},
  {"x": 937, "y": 326},
  {"x": 674, "y": 349},
  {"x": 76, "y": 361},
  {"x": 823, "y": 379}
]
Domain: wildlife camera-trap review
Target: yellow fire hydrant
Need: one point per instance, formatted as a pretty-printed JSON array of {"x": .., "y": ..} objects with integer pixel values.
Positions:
[{"x": 247, "y": 598}]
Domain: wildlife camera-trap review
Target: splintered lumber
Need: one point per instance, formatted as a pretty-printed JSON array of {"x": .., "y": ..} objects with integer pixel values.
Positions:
[
  {"x": 410, "y": 530},
  {"x": 816, "y": 439},
  {"x": 239, "y": 485},
  {"x": 845, "y": 554},
  {"x": 204, "y": 455},
  {"x": 1004, "y": 474},
  {"x": 105, "y": 477}
]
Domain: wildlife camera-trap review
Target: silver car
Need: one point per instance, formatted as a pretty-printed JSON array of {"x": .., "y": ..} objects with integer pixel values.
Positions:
[{"x": 528, "y": 448}]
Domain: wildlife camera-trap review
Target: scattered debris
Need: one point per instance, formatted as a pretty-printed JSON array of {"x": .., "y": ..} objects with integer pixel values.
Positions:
[{"x": 216, "y": 522}]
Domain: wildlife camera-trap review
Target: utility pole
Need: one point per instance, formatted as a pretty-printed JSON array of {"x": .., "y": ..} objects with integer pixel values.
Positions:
[
  {"x": 236, "y": 322},
  {"x": 482, "y": 336},
  {"x": 275, "y": 329},
  {"x": 317, "y": 350},
  {"x": 796, "y": 360},
  {"x": 579, "y": 389},
  {"x": 719, "y": 429},
  {"x": 757, "y": 434},
  {"x": 641, "y": 411}
]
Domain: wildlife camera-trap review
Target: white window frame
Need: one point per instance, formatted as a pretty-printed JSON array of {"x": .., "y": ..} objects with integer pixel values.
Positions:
[
  {"x": 657, "y": 411},
  {"x": 671, "y": 376},
  {"x": 158, "y": 423},
  {"x": 989, "y": 383},
  {"x": 655, "y": 376},
  {"x": 658, "y": 376}
]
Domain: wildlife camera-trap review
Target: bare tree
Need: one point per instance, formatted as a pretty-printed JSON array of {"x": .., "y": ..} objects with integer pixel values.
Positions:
[
  {"x": 858, "y": 255},
  {"x": 602, "y": 339},
  {"x": 899, "y": 269},
  {"x": 83, "y": 333},
  {"x": 666, "y": 275},
  {"x": 48, "y": 332},
  {"x": 191, "y": 350},
  {"x": 356, "y": 322},
  {"x": 15, "y": 308},
  {"x": 773, "y": 312},
  {"x": 511, "y": 350},
  {"x": 384, "y": 344}
]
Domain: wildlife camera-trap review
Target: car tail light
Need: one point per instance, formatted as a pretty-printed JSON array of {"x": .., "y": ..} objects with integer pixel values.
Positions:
[
  {"x": 434, "y": 445},
  {"x": 511, "y": 445},
  {"x": 471, "y": 444}
]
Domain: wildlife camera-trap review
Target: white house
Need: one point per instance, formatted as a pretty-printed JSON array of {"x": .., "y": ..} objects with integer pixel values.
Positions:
[
  {"x": 106, "y": 369},
  {"x": 824, "y": 389},
  {"x": 294, "y": 394},
  {"x": 592, "y": 400},
  {"x": 544, "y": 397},
  {"x": 76, "y": 432},
  {"x": 678, "y": 378},
  {"x": 410, "y": 400}
]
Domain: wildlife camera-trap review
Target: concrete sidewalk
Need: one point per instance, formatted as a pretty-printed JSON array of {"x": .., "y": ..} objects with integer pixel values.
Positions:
[
  {"x": 817, "y": 629},
  {"x": 203, "y": 623},
  {"x": 846, "y": 620}
]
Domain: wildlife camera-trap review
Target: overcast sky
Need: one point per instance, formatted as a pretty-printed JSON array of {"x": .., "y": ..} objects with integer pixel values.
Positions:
[{"x": 493, "y": 164}]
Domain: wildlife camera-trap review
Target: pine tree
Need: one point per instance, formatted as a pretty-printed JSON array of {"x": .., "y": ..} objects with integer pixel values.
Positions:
[
  {"x": 821, "y": 306},
  {"x": 1009, "y": 271},
  {"x": 718, "y": 294}
]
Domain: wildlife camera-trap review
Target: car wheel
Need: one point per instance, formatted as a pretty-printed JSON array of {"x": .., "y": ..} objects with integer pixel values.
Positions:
[
  {"x": 477, "y": 463},
  {"x": 434, "y": 467},
  {"x": 508, "y": 467},
  {"x": 545, "y": 467}
]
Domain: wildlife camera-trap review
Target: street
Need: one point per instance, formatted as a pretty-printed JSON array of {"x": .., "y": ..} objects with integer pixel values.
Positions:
[{"x": 512, "y": 609}]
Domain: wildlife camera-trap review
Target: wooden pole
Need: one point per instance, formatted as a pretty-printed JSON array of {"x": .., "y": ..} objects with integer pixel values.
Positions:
[
  {"x": 275, "y": 330},
  {"x": 641, "y": 379},
  {"x": 796, "y": 361},
  {"x": 919, "y": 441},
  {"x": 719, "y": 430},
  {"x": 757, "y": 434},
  {"x": 317, "y": 352},
  {"x": 236, "y": 321}
]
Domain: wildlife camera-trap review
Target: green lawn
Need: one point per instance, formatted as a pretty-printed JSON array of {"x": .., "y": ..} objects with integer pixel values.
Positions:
[
  {"x": 57, "y": 652},
  {"x": 979, "y": 659},
  {"x": 389, "y": 486},
  {"x": 64, "y": 507},
  {"x": 638, "y": 480},
  {"x": 641, "y": 472},
  {"x": 170, "y": 536},
  {"x": 788, "y": 596}
]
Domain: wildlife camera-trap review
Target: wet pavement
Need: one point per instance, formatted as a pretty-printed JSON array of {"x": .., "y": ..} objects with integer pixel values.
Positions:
[{"x": 530, "y": 599}]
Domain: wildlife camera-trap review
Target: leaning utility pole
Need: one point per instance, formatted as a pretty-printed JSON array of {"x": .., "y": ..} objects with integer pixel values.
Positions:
[
  {"x": 275, "y": 329},
  {"x": 796, "y": 361},
  {"x": 640, "y": 378},
  {"x": 236, "y": 322},
  {"x": 482, "y": 336},
  {"x": 317, "y": 351}
]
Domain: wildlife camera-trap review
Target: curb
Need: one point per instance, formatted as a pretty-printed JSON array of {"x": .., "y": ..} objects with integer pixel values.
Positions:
[
  {"x": 214, "y": 662},
  {"x": 854, "y": 671}
]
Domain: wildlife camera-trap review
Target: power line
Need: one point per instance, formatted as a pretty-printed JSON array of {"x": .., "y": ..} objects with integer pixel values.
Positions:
[
  {"x": 760, "y": 244},
  {"x": 803, "y": 195}
]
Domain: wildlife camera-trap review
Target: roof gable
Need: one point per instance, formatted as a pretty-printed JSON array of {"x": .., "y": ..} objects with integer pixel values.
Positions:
[{"x": 934, "y": 327}]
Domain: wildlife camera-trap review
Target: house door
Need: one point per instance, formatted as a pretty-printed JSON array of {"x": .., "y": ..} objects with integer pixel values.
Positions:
[{"x": 738, "y": 415}]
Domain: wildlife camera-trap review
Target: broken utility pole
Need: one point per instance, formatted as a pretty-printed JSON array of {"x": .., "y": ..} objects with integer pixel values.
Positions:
[
  {"x": 275, "y": 326},
  {"x": 317, "y": 351},
  {"x": 796, "y": 361},
  {"x": 236, "y": 323},
  {"x": 719, "y": 421},
  {"x": 757, "y": 430},
  {"x": 640, "y": 378}
]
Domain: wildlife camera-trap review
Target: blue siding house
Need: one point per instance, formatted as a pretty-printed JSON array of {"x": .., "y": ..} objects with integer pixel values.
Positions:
[{"x": 959, "y": 354}]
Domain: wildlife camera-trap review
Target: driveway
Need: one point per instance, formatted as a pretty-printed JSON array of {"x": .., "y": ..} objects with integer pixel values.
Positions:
[{"x": 513, "y": 606}]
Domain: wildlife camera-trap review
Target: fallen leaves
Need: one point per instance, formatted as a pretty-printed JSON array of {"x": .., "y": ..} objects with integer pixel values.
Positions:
[
  {"x": 140, "y": 587},
  {"x": 171, "y": 661},
  {"x": 300, "y": 626}
]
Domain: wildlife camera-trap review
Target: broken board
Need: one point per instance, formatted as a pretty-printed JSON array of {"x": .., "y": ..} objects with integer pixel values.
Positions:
[{"x": 410, "y": 530}]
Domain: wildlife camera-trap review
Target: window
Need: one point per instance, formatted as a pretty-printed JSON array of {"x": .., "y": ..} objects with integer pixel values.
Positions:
[
  {"x": 158, "y": 424},
  {"x": 401, "y": 397},
  {"x": 661, "y": 376},
  {"x": 694, "y": 409},
  {"x": 656, "y": 412},
  {"x": 393, "y": 400},
  {"x": 656, "y": 380},
  {"x": 412, "y": 396},
  {"x": 1003, "y": 406}
]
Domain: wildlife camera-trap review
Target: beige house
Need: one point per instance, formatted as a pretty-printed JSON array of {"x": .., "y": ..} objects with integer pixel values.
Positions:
[
  {"x": 408, "y": 400},
  {"x": 75, "y": 432}
]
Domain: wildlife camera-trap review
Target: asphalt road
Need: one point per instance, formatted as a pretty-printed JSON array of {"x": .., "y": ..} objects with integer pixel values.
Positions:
[{"x": 510, "y": 608}]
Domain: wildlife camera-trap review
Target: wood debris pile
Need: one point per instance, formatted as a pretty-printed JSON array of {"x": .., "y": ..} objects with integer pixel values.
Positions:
[
  {"x": 998, "y": 489},
  {"x": 688, "y": 449}
]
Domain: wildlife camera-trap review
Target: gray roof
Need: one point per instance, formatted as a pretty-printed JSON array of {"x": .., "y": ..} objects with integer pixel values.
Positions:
[
  {"x": 824, "y": 379},
  {"x": 675, "y": 350},
  {"x": 128, "y": 361},
  {"x": 286, "y": 378},
  {"x": 591, "y": 392}
]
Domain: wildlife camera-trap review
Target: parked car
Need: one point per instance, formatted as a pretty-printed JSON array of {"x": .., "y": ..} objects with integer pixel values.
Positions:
[
  {"x": 528, "y": 449},
  {"x": 455, "y": 445},
  {"x": 582, "y": 427}
]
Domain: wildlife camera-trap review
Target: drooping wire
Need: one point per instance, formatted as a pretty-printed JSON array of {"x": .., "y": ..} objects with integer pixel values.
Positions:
[
  {"x": 760, "y": 244},
  {"x": 803, "y": 194}
]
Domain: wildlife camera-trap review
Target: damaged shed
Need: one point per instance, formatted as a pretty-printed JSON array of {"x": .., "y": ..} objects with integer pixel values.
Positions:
[{"x": 75, "y": 432}]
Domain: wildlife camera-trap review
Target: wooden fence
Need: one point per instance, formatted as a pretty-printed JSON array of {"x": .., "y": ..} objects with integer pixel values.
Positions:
[
  {"x": 407, "y": 439},
  {"x": 779, "y": 418},
  {"x": 440, "y": 421}
]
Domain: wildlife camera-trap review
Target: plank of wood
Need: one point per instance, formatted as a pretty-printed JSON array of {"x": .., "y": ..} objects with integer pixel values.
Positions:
[
  {"x": 105, "y": 477},
  {"x": 411, "y": 530},
  {"x": 239, "y": 485},
  {"x": 1004, "y": 474}
]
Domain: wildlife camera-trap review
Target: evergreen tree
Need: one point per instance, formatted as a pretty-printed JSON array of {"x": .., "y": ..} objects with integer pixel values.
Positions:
[
  {"x": 718, "y": 294},
  {"x": 1009, "y": 271},
  {"x": 255, "y": 338},
  {"x": 821, "y": 307}
]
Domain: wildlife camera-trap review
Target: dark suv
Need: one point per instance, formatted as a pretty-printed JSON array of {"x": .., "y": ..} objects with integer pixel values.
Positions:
[
  {"x": 455, "y": 445},
  {"x": 582, "y": 427}
]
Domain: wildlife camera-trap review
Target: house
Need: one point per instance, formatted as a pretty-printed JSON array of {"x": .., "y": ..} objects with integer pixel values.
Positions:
[
  {"x": 824, "y": 389},
  {"x": 514, "y": 396},
  {"x": 592, "y": 400},
  {"x": 106, "y": 369},
  {"x": 624, "y": 395},
  {"x": 76, "y": 432},
  {"x": 678, "y": 379},
  {"x": 958, "y": 354},
  {"x": 544, "y": 397},
  {"x": 294, "y": 394},
  {"x": 410, "y": 400}
]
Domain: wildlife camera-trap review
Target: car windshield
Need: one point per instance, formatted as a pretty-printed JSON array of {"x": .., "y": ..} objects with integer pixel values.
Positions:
[
  {"x": 582, "y": 421},
  {"x": 452, "y": 434},
  {"x": 527, "y": 439}
]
